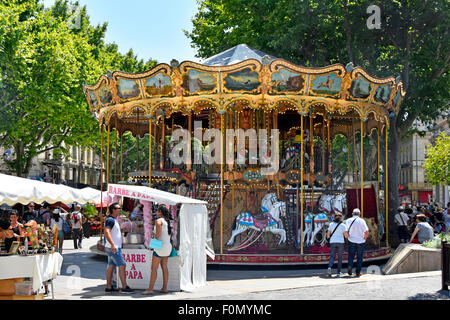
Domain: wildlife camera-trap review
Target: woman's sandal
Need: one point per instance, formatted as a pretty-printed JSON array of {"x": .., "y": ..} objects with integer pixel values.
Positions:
[
  {"x": 163, "y": 291},
  {"x": 147, "y": 293}
]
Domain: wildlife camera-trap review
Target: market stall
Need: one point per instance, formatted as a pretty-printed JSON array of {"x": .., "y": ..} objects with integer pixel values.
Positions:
[
  {"x": 34, "y": 255},
  {"x": 189, "y": 237}
]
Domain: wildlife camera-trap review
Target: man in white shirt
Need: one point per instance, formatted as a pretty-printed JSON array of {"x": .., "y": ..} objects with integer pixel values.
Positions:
[
  {"x": 113, "y": 248},
  {"x": 357, "y": 235},
  {"x": 77, "y": 231},
  {"x": 401, "y": 219}
]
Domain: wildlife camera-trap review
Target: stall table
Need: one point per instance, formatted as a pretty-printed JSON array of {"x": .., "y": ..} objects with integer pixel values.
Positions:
[{"x": 40, "y": 268}]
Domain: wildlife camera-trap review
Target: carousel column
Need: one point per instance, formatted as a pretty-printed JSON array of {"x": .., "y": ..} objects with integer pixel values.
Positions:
[
  {"x": 348, "y": 160},
  {"x": 301, "y": 183},
  {"x": 150, "y": 151},
  {"x": 121, "y": 157},
  {"x": 378, "y": 156},
  {"x": 189, "y": 145},
  {"x": 362, "y": 169},
  {"x": 107, "y": 157},
  {"x": 101, "y": 183},
  {"x": 329, "y": 154},
  {"x": 163, "y": 134},
  {"x": 221, "y": 182},
  {"x": 386, "y": 195},
  {"x": 275, "y": 126},
  {"x": 311, "y": 161},
  {"x": 115, "y": 154}
]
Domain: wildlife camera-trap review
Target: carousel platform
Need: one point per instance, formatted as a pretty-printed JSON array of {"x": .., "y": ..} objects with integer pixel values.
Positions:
[{"x": 249, "y": 259}]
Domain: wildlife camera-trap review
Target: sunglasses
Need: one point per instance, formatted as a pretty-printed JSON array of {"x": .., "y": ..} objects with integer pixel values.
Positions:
[{"x": 116, "y": 208}]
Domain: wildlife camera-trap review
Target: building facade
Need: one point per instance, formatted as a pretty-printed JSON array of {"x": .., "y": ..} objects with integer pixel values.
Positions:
[
  {"x": 414, "y": 187},
  {"x": 80, "y": 169}
]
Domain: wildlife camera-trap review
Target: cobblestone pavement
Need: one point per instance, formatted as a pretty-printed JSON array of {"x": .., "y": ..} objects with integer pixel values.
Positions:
[{"x": 83, "y": 277}]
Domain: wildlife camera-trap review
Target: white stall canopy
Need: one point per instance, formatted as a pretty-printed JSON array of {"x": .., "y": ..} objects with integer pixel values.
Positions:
[
  {"x": 193, "y": 220},
  {"x": 20, "y": 190}
]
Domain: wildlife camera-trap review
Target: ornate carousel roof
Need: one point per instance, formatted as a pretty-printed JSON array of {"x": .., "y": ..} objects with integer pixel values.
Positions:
[{"x": 240, "y": 78}]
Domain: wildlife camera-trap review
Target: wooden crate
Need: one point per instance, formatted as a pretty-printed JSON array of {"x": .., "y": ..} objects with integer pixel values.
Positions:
[
  {"x": 39, "y": 296},
  {"x": 7, "y": 286}
]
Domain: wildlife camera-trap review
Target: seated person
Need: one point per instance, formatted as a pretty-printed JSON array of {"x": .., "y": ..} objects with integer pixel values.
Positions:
[
  {"x": 423, "y": 230},
  {"x": 6, "y": 234},
  {"x": 298, "y": 138}
]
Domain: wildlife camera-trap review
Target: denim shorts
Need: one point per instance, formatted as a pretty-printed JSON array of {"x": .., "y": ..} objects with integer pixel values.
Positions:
[{"x": 115, "y": 259}]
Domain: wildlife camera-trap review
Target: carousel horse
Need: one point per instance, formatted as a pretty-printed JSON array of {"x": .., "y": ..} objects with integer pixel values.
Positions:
[
  {"x": 314, "y": 225},
  {"x": 325, "y": 202},
  {"x": 268, "y": 220},
  {"x": 330, "y": 203},
  {"x": 339, "y": 203}
]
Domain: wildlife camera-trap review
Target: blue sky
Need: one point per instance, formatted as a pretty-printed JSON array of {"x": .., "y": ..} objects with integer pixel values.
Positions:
[{"x": 152, "y": 28}]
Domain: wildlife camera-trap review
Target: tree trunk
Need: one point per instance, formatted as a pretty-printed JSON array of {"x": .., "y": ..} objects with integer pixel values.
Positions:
[{"x": 394, "y": 165}]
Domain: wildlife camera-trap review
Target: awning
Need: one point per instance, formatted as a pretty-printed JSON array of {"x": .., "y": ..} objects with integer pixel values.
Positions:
[
  {"x": 20, "y": 190},
  {"x": 150, "y": 194}
]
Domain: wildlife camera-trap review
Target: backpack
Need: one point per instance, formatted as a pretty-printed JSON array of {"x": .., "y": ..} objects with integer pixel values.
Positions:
[{"x": 65, "y": 227}]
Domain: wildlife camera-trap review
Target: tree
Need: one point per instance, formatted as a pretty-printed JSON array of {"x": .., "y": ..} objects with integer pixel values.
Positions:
[
  {"x": 44, "y": 63},
  {"x": 437, "y": 161},
  {"x": 43, "y": 66},
  {"x": 413, "y": 42}
]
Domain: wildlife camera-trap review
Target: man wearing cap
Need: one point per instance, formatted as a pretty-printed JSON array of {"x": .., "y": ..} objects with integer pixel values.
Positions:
[
  {"x": 77, "y": 229},
  {"x": 401, "y": 219},
  {"x": 30, "y": 214},
  {"x": 357, "y": 235}
]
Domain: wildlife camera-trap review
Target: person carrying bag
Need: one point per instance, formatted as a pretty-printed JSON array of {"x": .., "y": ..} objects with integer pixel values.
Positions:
[{"x": 336, "y": 242}]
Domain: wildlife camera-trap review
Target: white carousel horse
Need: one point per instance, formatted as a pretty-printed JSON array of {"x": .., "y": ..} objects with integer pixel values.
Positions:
[
  {"x": 264, "y": 222},
  {"x": 313, "y": 225},
  {"x": 336, "y": 203},
  {"x": 339, "y": 203},
  {"x": 325, "y": 202}
]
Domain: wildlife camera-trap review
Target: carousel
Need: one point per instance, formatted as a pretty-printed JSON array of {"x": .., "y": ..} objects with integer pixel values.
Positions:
[{"x": 319, "y": 124}]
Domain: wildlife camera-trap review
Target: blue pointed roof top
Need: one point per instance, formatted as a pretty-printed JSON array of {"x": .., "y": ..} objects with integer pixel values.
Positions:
[{"x": 235, "y": 55}]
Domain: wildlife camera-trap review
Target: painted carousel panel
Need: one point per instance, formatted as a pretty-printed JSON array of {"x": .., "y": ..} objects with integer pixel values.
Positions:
[
  {"x": 127, "y": 89},
  {"x": 383, "y": 94},
  {"x": 360, "y": 88},
  {"x": 287, "y": 81},
  {"x": 329, "y": 84},
  {"x": 242, "y": 80},
  {"x": 195, "y": 81},
  {"x": 160, "y": 84},
  {"x": 93, "y": 99},
  {"x": 105, "y": 94}
]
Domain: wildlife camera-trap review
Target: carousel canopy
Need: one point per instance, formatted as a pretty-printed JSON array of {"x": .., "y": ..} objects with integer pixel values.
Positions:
[
  {"x": 243, "y": 78},
  {"x": 20, "y": 190},
  {"x": 235, "y": 55}
]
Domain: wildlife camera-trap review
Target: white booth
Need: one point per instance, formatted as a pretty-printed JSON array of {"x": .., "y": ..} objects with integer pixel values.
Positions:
[
  {"x": 187, "y": 270},
  {"x": 39, "y": 267}
]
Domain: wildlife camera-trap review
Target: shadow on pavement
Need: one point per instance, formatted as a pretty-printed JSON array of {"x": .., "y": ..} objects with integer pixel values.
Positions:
[
  {"x": 439, "y": 295},
  {"x": 99, "y": 291}
]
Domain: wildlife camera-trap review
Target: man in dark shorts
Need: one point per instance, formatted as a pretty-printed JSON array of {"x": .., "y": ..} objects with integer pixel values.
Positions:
[{"x": 113, "y": 248}]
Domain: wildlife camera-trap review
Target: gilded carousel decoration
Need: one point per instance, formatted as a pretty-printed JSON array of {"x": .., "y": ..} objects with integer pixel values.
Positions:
[{"x": 250, "y": 211}]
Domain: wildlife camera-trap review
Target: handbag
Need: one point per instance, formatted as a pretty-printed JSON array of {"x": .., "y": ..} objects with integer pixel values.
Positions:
[
  {"x": 155, "y": 244},
  {"x": 328, "y": 240},
  {"x": 173, "y": 253}
]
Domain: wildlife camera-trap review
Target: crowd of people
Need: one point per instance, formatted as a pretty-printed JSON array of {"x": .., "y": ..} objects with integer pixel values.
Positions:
[
  {"x": 70, "y": 223},
  {"x": 417, "y": 224}
]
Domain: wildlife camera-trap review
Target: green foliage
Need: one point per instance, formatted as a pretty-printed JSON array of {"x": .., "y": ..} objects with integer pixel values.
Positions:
[
  {"x": 44, "y": 63},
  {"x": 436, "y": 242},
  {"x": 413, "y": 41},
  {"x": 90, "y": 211},
  {"x": 437, "y": 161}
]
